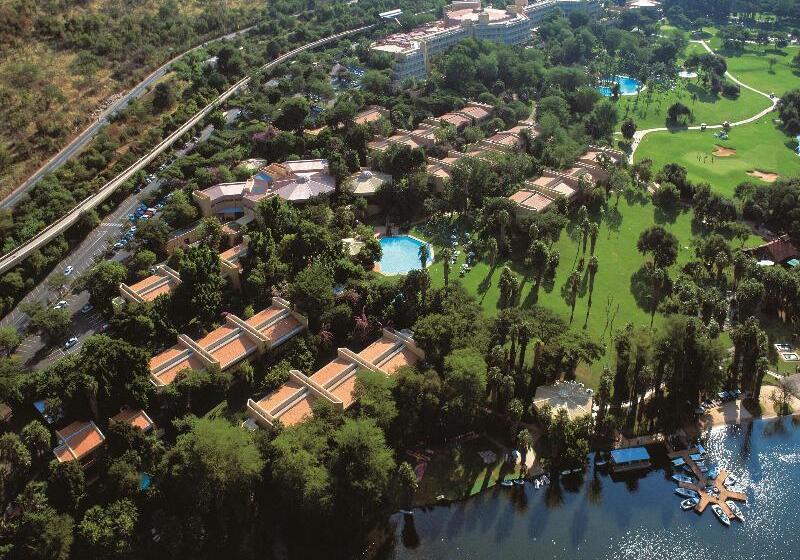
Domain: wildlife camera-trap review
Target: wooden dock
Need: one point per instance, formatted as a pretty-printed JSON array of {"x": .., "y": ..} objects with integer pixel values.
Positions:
[{"x": 706, "y": 498}]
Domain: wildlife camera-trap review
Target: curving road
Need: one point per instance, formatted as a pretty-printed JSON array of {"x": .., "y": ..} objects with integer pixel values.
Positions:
[
  {"x": 640, "y": 134},
  {"x": 18, "y": 254},
  {"x": 77, "y": 143}
]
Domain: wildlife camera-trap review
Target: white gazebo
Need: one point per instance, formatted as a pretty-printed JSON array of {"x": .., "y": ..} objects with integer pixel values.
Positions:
[{"x": 569, "y": 395}]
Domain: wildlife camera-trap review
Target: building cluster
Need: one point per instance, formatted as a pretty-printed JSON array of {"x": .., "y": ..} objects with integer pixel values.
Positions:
[
  {"x": 229, "y": 344},
  {"x": 424, "y": 136},
  {"x": 412, "y": 51},
  {"x": 335, "y": 382},
  {"x": 295, "y": 181},
  {"x": 591, "y": 168}
]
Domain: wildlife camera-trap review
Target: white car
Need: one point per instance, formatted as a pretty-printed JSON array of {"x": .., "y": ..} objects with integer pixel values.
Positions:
[
  {"x": 68, "y": 270},
  {"x": 70, "y": 343},
  {"x": 60, "y": 305}
]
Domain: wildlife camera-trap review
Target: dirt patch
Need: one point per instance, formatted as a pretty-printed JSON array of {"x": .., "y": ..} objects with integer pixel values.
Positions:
[
  {"x": 766, "y": 176},
  {"x": 722, "y": 151}
]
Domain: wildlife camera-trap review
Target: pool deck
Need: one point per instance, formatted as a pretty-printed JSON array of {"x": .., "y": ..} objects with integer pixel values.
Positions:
[
  {"x": 381, "y": 235},
  {"x": 707, "y": 499}
]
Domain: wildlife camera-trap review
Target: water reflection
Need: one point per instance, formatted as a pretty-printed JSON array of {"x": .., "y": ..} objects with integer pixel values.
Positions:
[{"x": 593, "y": 516}]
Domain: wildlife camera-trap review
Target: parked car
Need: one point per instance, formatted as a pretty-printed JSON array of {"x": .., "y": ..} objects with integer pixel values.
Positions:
[
  {"x": 60, "y": 305},
  {"x": 118, "y": 245},
  {"x": 68, "y": 270},
  {"x": 103, "y": 328},
  {"x": 70, "y": 343},
  {"x": 86, "y": 308}
]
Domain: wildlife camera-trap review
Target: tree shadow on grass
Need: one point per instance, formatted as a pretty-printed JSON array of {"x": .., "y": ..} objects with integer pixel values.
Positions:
[
  {"x": 613, "y": 220},
  {"x": 666, "y": 215},
  {"x": 486, "y": 283},
  {"x": 641, "y": 289}
]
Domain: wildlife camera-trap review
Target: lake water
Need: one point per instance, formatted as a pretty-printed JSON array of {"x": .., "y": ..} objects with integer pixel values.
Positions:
[{"x": 598, "y": 518}]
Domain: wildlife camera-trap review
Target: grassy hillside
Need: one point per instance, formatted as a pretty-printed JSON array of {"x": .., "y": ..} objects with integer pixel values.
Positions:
[{"x": 62, "y": 62}]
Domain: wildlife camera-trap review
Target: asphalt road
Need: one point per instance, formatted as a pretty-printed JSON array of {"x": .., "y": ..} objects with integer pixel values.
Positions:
[
  {"x": 34, "y": 351},
  {"x": 77, "y": 144}
]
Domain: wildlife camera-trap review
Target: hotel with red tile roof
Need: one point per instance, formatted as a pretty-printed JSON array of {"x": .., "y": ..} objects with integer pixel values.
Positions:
[
  {"x": 335, "y": 382},
  {"x": 78, "y": 442},
  {"x": 229, "y": 344},
  {"x": 539, "y": 194},
  {"x": 137, "y": 418},
  {"x": 164, "y": 281}
]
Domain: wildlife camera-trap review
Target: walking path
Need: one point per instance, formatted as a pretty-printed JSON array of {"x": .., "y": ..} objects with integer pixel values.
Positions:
[{"x": 640, "y": 134}]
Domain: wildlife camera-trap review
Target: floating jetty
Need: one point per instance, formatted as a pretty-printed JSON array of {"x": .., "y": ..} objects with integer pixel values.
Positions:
[{"x": 706, "y": 498}]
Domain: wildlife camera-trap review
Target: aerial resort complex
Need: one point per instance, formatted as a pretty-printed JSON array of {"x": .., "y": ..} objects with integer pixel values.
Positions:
[{"x": 400, "y": 280}]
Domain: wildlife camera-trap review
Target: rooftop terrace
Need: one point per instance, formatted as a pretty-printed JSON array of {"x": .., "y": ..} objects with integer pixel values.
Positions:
[{"x": 334, "y": 382}]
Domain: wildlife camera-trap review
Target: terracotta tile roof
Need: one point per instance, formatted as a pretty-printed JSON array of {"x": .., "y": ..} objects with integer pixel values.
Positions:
[
  {"x": 153, "y": 294},
  {"x": 168, "y": 375},
  {"x": 275, "y": 398},
  {"x": 215, "y": 335},
  {"x": 280, "y": 328},
  {"x": 263, "y": 316},
  {"x": 344, "y": 390},
  {"x": 331, "y": 370},
  {"x": 538, "y": 202},
  {"x": 403, "y": 358},
  {"x": 299, "y": 411},
  {"x": 166, "y": 356},
  {"x": 137, "y": 418},
  {"x": 233, "y": 350},
  {"x": 78, "y": 440},
  {"x": 376, "y": 349},
  {"x": 520, "y": 196},
  {"x": 145, "y": 283}
]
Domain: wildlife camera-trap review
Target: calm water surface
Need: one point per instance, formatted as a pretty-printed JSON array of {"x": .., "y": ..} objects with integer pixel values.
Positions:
[{"x": 598, "y": 518}]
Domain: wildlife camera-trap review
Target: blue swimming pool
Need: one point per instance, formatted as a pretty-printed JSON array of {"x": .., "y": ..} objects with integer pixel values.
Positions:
[
  {"x": 401, "y": 254},
  {"x": 627, "y": 85}
]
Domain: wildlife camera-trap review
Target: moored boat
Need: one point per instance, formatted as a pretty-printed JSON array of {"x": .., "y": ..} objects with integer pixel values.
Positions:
[
  {"x": 687, "y": 493},
  {"x": 721, "y": 515},
  {"x": 731, "y": 480},
  {"x": 689, "y": 503},
  {"x": 506, "y": 483},
  {"x": 735, "y": 509},
  {"x": 519, "y": 481},
  {"x": 677, "y": 477}
]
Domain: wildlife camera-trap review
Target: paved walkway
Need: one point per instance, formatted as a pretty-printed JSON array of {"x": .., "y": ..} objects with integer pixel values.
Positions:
[{"x": 640, "y": 134}]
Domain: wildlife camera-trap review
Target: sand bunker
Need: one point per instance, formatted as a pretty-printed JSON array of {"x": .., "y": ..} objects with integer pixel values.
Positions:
[
  {"x": 765, "y": 176},
  {"x": 722, "y": 151}
]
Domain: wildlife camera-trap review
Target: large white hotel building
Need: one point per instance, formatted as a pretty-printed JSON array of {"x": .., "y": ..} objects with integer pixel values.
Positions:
[{"x": 466, "y": 18}]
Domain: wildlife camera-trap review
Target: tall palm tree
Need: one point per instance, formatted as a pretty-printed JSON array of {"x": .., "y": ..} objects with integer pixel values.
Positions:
[
  {"x": 503, "y": 218},
  {"x": 424, "y": 254},
  {"x": 594, "y": 231},
  {"x": 524, "y": 336},
  {"x": 592, "y": 269},
  {"x": 493, "y": 377},
  {"x": 447, "y": 255},
  {"x": 491, "y": 250},
  {"x": 574, "y": 284},
  {"x": 585, "y": 226}
]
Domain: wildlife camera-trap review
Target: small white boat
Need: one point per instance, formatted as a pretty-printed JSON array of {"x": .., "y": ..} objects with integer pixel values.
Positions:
[
  {"x": 537, "y": 483},
  {"x": 677, "y": 477},
  {"x": 687, "y": 493},
  {"x": 735, "y": 509},
  {"x": 721, "y": 515},
  {"x": 731, "y": 480},
  {"x": 506, "y": 483},
  {"x": 565, "y": 473},
  {"x": 519, "y": 482},
  {"x": 689, "y": 503}
]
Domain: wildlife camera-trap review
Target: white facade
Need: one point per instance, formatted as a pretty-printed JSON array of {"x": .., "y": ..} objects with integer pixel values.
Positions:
[{"x": 412, "y": 51}]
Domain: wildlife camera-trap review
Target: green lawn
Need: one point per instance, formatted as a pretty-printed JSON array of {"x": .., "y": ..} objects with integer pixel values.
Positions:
[
  {"x": 613, "y": 299},
  {"x": 759, "y": 145},
  {"x": 457, "y": 472},
  {"x": 752, "y": 67},
  {"x": 649, "y": 108}
]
